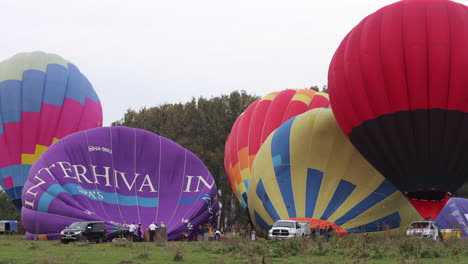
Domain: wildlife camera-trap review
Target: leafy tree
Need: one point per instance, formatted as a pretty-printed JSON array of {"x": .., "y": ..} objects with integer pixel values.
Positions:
[
  {"x": 462, "y": 191},
  {"x": 324, "y": 89},
  {"x": 7, "y": 209}
]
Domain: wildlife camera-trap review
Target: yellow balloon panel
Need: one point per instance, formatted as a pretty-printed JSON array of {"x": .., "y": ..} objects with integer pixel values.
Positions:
[{"x": 308, "y": 168}]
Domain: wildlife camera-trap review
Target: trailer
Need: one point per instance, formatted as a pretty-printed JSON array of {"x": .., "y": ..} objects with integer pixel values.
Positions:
[{"x": 9, "y": 227}]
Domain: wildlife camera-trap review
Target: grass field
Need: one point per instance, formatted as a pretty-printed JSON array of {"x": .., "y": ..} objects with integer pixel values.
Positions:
[{"x": 377, "y": 248}]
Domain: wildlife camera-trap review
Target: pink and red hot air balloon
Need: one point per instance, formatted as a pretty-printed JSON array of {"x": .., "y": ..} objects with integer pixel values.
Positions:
[
  {"x": 399, "y": 90},
  {"x": 253, "y": 127}
]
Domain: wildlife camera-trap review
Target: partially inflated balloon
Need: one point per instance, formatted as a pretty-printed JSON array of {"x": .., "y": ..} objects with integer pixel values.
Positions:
[
  {"x": 398, "y": 86},
  {"x": 253, "y": 126},
  {"x": 454, "y": 215},
  {"x": 118, "y": 175},
  {"x": 308, "y": 169},
  {"x": 42, "y": 99}
]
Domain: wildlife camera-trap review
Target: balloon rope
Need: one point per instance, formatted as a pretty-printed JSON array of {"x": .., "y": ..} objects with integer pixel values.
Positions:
[
  {"x": 135, "y": 173},
  {"x": 182, "y": 187},
  {"x": 115, "y": 179},
  {"x": 159, "y": 179}
]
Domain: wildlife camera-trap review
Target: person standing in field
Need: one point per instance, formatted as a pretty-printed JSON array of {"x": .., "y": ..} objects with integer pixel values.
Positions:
[
  {"x": 131, "y": 231},
  {"x": 210, "y": 232},
  {"x": 139, "y": 233},
  {"x": 200, "y": 233},
  {"x": 205, "y": 232},
  {"x": 152, "y": 231}
]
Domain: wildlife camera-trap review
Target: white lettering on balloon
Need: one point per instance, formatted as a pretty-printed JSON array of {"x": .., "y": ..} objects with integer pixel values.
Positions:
[
  {"x": 188, "y": 223},
  {"x": 200, "y": 179},
  {"x": 97, "y": 175},
  {"x": 104, "y": 149},
  {"x": 95, "y": 195}
]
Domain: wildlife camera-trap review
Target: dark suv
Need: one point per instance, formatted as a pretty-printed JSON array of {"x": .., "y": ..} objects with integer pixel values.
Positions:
[{"x": 84, "y": 231}]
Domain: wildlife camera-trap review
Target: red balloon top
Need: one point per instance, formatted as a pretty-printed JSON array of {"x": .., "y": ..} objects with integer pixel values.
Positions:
[{"x": 409, "y": 55}]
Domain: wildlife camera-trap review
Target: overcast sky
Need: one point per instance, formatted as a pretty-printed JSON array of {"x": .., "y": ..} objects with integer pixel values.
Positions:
[{"x": 145, "y": 53}]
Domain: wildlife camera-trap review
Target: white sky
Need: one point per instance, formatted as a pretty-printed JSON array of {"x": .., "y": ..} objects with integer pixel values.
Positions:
[{"x": 145, "y": 53}]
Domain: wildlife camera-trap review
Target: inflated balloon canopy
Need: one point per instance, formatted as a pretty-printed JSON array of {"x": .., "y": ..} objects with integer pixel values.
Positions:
[
  {"x": 118, "y": 175},
  {"x": 398, "y": 86},
  {"x": 43, "y": 98},
  {"x": 307, "y": 168},
  {"x": 253, "y": 127}
]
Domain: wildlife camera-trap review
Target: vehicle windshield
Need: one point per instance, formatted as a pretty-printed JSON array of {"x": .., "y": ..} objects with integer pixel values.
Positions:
[
  {"x": 284, "y": 224},
  {"x": 416, "y": 225},
  {"x": 78, "y": 225}
]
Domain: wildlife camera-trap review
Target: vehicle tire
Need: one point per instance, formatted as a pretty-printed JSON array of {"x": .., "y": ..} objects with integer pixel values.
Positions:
[
  {"x": 303, "y": 235},
  {"x": 100, "y": 240},
  {"x": 65, "y": 241},
  {"x": 82, "y": 239}
]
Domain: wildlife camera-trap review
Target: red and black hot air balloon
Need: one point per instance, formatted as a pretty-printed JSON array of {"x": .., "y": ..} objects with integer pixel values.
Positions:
[{"x": 399, "y": 90}]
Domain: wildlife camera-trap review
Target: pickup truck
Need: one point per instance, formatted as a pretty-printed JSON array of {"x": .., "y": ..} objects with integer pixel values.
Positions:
[{"x": 283, "y": 229}]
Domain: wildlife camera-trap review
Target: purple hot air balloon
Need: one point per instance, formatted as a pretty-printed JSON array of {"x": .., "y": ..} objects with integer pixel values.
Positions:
[{"x": 118, "y": 175}]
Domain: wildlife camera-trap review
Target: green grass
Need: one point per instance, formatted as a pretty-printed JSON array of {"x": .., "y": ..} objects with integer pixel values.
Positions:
[{"x": 376, "y": 248}]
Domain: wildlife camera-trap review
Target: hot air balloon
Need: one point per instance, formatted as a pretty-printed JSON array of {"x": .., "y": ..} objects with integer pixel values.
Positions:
[
  {"x": 454, "y": 215},
  {"x": 118, "y": 175},
  {"x": 42, "y": 99},
  {"x": 307, "y": 169},
  {"x": 253, "y": 126},
  {"x": 398, "y": 86}
]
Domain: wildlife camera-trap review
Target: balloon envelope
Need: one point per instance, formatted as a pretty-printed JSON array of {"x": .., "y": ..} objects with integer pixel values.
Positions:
[
  {"x": 308, "y": 169},
  {"x": 118, "y": 175},
  {"x": 454, "y": 215},
  {"x": 42, "y": 99},
  {"x": 398, "y": 86},
  {"x": 253, "y": 126}
]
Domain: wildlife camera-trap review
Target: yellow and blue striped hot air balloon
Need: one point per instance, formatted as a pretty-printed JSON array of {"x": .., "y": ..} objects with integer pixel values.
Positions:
[{"x": 308, "y": 168}]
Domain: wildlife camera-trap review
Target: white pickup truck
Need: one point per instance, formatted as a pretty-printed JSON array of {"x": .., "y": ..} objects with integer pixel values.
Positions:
[
  {"x": 283, "y": 229},
  {"x": 424, "y": 229}
]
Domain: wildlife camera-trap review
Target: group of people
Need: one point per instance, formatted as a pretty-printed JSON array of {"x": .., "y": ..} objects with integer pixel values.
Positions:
[
  {"x": 205, "y": 232},
  {"x": 137, "y": 234},
  {"x": 244, "y": 231},
  {"x": 322, "y": 231}
]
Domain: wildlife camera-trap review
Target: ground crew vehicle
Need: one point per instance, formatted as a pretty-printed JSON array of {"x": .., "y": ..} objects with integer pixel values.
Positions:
[
  {"x": 8, "y": 227},
  {"x": 447, "y": 234},
  {"x": 84, "y": 231},
  {"x": 424, "y": 229},
  {"x": 283, "y": 229}
]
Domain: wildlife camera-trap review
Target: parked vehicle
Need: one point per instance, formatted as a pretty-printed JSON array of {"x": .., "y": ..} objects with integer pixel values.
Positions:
[
  {"x": 447, "y": 234},
  {"x": 283, "y": 229},
  {"x": 218, "y": 235},
  {"x": 424, "y": 229},
  {"x": 8, "y": 227},
  {"x": 84, "y": 231}
]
